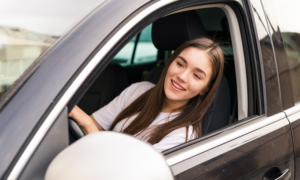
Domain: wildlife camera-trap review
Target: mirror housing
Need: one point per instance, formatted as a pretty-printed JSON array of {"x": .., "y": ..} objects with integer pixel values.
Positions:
[{"x": 109, "y": 155}]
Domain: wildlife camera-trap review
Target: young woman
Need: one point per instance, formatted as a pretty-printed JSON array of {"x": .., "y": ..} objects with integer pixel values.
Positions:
[{"x": 169, "y": 113}]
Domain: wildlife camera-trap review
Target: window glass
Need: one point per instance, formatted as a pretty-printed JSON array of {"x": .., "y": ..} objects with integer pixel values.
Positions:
[
  {"x": 286, "y": 90},
  {"x": 29, "y": 28},
  {"x": 288, "y": 15},
  {"x": 269, "y": 64},
  {"x": 139, "y": 50},
  {"x": 125, "y": 55},
  {"x": 145, "y": 50}
]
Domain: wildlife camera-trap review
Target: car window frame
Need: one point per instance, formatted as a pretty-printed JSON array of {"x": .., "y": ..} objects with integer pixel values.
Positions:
[
  {"x": 184, "y": 156},
  {"x": 256, "y": 113}
]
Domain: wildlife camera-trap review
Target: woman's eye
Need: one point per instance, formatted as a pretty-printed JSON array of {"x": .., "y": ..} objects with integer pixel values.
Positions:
[
  {"x": 179, "y": 64},
  {"x": 196, "y": 76}
]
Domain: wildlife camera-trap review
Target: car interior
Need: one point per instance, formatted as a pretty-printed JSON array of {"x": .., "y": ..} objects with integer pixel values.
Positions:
[{"x": 143, "y": 59}]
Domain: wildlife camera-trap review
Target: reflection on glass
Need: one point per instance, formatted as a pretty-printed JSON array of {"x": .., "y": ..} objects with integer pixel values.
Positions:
[
  {"x": 19, "y": 48},
  {"x": 288, "y": 17},
  {"x": 281, "y": 58},
  {"x": 272, "y": 87},
  {"x": 125, "y": 55},
  {"x": 145, "y": 51},
  {"x": 29, "y": 28}
]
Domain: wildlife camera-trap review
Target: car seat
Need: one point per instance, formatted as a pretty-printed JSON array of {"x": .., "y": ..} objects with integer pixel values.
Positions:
[
  {"x": 111, "y": 82},
  {"x": 170, "y": 32}
]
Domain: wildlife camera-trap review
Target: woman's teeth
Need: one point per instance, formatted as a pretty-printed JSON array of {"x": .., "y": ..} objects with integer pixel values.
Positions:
[{"x": 177, "y": 86}]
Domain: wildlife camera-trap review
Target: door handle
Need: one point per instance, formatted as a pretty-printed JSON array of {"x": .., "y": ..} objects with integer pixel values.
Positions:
[
  {"x": 285, "y": 175},
  {"x": 275, "y": 174}
]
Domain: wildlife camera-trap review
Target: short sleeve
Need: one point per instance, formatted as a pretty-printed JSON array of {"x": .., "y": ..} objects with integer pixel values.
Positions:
[
  {"x": 107, "y": 114},
  {"x": 173, "y": 139}
]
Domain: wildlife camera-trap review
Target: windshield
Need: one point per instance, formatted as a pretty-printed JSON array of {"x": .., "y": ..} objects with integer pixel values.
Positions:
[{"x": 29, "y": 27}]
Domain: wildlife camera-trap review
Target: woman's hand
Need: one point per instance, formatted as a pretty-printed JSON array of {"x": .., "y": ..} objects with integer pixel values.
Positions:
[
  {"x": 87, "y": 123},
  {"x": 71, "y": 114}
]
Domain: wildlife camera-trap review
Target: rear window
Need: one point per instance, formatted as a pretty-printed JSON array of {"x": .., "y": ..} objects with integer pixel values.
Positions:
[{"x": 29, "y": 28}]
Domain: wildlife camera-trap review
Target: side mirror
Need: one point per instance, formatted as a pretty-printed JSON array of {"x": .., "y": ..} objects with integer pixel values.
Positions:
[{"x": 109, "y": 155}]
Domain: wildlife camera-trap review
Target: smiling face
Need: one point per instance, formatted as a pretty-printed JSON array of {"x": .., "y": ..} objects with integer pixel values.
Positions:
[{"x": 188, "y": 75}]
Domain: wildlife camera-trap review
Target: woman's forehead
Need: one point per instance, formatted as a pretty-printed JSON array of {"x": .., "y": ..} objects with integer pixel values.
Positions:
[{"x": 196, "y": 58}]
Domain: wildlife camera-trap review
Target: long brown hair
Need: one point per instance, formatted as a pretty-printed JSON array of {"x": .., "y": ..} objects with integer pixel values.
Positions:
[{"x": 149, "y": 105}]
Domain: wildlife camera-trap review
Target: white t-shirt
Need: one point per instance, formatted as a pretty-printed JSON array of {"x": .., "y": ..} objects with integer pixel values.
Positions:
[{"x": 107, "y": 114}]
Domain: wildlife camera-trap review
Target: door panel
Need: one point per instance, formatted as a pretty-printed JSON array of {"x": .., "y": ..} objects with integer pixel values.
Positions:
[
  {"x": 55, "y": 141},
  {"x": 293, "y": 115},
  {"x": 258, "y": 148}
]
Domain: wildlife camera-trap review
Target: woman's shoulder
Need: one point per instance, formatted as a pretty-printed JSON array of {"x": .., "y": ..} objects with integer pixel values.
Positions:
[
  {"x": 141, "y": 86},
  {"x": 135, "y": 90}
]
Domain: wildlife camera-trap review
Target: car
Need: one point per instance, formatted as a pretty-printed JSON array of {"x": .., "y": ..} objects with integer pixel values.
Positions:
[{"x": 58, "y": 54}]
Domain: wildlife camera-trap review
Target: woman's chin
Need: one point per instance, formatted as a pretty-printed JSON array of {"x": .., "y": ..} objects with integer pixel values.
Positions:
[{"x": 173, "y": 97}]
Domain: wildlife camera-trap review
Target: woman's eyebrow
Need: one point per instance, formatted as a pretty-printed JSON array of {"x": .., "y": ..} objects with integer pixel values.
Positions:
[
  {"x": 182, "y": 59},
  {"x": 197, "y": 69},
  {"x": 201, "y": 71}
]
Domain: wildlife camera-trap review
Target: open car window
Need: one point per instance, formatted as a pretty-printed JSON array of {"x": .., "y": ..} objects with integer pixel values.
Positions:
[{"x": 139, "y": 57}]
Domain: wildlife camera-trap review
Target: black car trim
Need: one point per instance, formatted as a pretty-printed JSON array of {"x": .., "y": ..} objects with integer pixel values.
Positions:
[
  {"x": 259, "y": 89},
  {"x": 258, "y": 54},
  {"x": 237, "y": 8}
]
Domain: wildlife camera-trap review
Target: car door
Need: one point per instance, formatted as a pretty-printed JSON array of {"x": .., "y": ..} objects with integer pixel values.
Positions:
[
  {"x": 260, "y": 140},
  {"x": 259, "y": 146},
  {"x": 285, "y": 16}
]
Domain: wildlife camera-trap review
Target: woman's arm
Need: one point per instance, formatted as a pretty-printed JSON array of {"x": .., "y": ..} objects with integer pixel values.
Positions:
[{"x": 87, "y": 123}]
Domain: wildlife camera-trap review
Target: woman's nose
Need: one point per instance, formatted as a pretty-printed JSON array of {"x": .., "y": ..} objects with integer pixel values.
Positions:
[{"x": 183, "y": 76}]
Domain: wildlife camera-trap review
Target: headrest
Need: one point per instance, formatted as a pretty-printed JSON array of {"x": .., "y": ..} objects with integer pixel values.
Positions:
[{"x": 169, "y": 32}]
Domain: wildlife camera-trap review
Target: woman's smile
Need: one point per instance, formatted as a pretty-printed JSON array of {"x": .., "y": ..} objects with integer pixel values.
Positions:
[{"x": 176, "y": 86}]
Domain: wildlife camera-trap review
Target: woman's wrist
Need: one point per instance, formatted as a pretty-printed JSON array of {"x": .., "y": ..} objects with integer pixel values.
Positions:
[
  {"x": 87, "y": 129},
  {"x": 82, "y": 119},
  {"x": 85, "y": 122}
]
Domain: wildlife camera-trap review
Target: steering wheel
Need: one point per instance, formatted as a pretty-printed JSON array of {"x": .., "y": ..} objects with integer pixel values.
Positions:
[{"x": 75, "y": 130}]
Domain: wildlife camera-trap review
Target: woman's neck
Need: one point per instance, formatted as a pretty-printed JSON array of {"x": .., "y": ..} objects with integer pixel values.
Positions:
[{"x": 169, "y": 105}]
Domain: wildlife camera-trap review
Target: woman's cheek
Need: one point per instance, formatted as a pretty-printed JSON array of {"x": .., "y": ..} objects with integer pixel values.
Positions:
[
  {"x": 198, "y": 86},
  {"x": 175, "y": 70}
]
